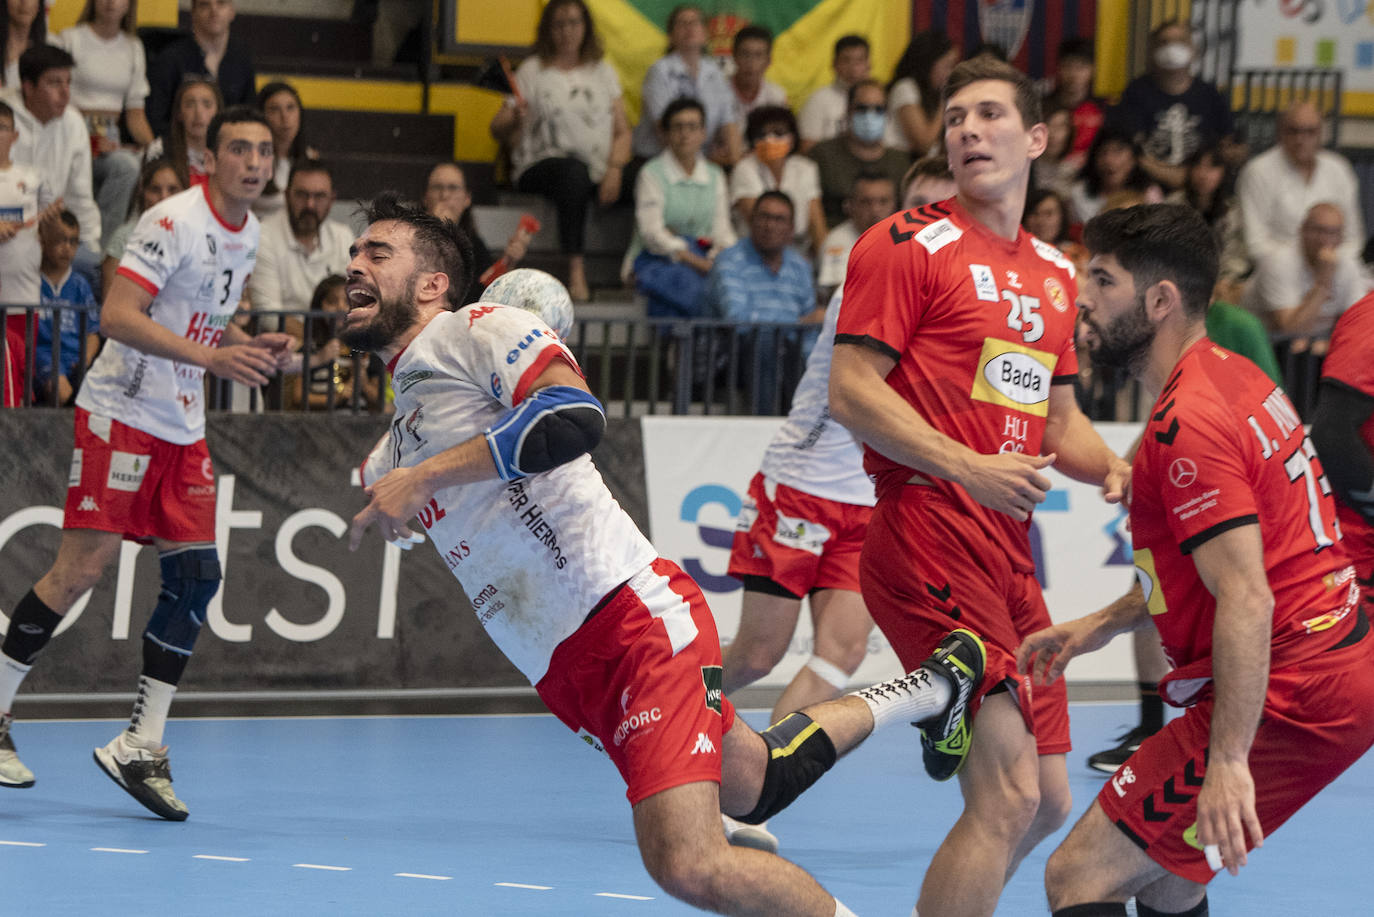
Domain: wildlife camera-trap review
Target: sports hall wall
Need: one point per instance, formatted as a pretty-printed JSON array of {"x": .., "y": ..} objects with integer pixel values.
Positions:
[{"x": 299, "y": 613}]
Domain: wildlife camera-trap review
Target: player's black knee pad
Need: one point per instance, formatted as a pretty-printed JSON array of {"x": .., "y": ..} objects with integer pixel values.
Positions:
[
  {"x": 799, "y": 752},
  {"x": 190, "y": 579},
  {"x": 1197, "y": 910}
]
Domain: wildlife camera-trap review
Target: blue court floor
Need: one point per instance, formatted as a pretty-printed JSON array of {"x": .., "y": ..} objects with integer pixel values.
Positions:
[{"x": 514, "y": 816}]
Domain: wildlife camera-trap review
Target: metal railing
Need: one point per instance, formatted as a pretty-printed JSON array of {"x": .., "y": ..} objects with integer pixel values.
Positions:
[{"x": 634, "y": 366}]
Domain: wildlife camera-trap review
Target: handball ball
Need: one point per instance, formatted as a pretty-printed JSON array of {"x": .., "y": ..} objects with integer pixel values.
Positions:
[{"x": 537, "y": 292}]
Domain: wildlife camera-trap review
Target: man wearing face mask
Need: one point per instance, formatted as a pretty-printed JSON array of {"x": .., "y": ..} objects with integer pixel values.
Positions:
[
  {"x": 1174, "y": 113},
  {"x": 775, "y": 165},
  {"x": 859, "y": 149}
]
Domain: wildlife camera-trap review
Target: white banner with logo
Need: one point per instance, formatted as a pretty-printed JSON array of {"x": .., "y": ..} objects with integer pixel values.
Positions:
[
  {"x": 1338, "y": 34},
  {"x": 697, "y": 471}
]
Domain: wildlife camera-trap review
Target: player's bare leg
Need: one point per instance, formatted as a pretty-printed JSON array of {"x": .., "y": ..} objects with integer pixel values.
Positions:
[
  {"x": 766, "y": 624},
  {"x": 1056, "y": 802},
  {"x": 685, "y": 852},
  {"x": 1099, "y": 863},
  {"x": 841, "y": 625},
  {"x": 82, "y": 556},
  {"x": 1000, "y": 783}
]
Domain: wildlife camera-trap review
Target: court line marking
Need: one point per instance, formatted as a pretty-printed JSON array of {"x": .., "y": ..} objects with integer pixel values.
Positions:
[
  {"x": 541, "y": 888},
  {"x": 210, "y": 856},
  {"x": 420, "y": 875},
  {"x": 318, "y": 866},
  {"x": 626, "y": 897},
  {"x": 20, "y": 844},
  {"x": 116, "y": 850}
]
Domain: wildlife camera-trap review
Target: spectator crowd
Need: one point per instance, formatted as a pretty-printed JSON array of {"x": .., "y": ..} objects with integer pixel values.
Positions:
[{"x": 746, "y": 203}]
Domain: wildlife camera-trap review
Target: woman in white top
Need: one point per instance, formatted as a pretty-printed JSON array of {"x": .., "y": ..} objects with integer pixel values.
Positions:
[
  {"x": 280, "y": 103},
  {"x": 775, "y": 165},
  {"x": 913, "y": 97},
  {"x": 110, "y": 82},
  {"x": 567, "y": 128},
  {"x": 22, "y": 27}
]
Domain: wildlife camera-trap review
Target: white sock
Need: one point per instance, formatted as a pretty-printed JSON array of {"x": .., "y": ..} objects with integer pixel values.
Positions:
[
  {"x": 828, "y": 672},
  {"x": 12, "y": 674},
  {"x": 150, "y": 709},
  {"x": 842, "y": 911},
  {"x": 914, "y": 697}
]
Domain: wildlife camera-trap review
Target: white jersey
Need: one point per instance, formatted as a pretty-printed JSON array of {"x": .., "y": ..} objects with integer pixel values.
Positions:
[
  {"x": 195, "y": 265},
  {"x": 533, "y": 555},
  {"x": 812, "y": 452}
]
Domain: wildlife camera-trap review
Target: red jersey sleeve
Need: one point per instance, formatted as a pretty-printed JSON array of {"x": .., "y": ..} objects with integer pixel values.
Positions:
[
  {"x": 1348, "y": 360},
  {"x": 1199, "y": 467},
  {"x": 883, "y": 286}
]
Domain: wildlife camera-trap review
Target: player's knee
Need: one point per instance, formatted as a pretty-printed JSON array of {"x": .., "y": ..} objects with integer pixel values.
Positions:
[
  {"x": 190, "y": 579},
  {"x": 685, "y": 874},
  {"x": 1055, "y": 805},
  {"x": 799, "y": 753},
  {"x": 756, "y": 659},
  {"x": 1059, "y": 872}
]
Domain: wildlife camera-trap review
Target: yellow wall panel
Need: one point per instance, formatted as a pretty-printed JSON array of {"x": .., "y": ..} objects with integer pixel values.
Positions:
[{"x": 489, "y": 22}]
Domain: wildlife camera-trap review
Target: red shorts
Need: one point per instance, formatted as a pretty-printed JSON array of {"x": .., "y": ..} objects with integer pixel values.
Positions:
[
  {"x": 799, "y": 541},
  {"x": 1315, "y": 724},
  {"x": 642, "y": 679},
  {"x": 127, "y": 481},
  {"x": 926, "y": 569}
]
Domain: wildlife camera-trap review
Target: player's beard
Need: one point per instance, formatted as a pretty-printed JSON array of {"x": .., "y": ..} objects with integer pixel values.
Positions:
[
  {"x": 393, "y": 317},
  {"x": 1124, "y": 341}
]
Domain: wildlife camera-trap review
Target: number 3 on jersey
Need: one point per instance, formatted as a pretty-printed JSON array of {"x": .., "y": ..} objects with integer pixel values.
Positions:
[
  {"x": 228, "y": 283},
  {"x": 1024, "y": 317}
]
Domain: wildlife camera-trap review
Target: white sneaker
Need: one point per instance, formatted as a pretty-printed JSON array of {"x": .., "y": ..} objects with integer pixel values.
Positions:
[
  {"x": 756, "y": 837},
  {"x": 141, "y": 768},
  {"x": 13, "y": 773}
]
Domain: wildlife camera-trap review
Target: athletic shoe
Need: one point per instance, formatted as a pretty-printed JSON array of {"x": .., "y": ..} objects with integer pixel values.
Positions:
[
  {"x": 945, "y": 739},
  {"x": 1108, "y": 761},
  {"x": 757, "y": 837},
  {"x": 141, "y": 768},
  {"x": 13, "y": 773}
]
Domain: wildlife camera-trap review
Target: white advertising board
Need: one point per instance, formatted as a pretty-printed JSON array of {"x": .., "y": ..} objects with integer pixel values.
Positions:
[{"x": 698, "y": 469}]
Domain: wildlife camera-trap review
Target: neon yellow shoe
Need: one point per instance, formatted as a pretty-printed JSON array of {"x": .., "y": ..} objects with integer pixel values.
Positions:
[{"x": 945, "y": 740}]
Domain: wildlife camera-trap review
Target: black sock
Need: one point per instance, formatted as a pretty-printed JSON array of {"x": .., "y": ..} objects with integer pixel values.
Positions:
[
  {"x": 163, "y": 664},
  {"x": 1151, "y": 707},
  {"x": 31, "y": 627},
  {"x": 1197, "y": 910},
  {"x": 1095, "y": 909}
]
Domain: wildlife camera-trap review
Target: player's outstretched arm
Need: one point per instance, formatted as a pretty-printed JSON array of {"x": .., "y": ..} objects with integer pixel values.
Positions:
[
  {"x": 862, "y": 401},
  {"x": 1080, "y": 450},
  {"x": 124, "y": 317},
  {"x": 1232, "y": 568},
  {"x": 279, "y": 344},
  {"x": 1045, "y": 653},
  {"x": 399, "y": 494}
]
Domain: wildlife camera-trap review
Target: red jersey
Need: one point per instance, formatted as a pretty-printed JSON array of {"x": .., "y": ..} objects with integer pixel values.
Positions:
[
  {"x": 980, "y": 327},
  {"x": 1223, "y": 448},
  {"x": 1348, "y": 363}
]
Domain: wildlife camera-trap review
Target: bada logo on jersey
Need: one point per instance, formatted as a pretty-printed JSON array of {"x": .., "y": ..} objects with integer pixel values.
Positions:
[{"x": 1014, "y": 376}]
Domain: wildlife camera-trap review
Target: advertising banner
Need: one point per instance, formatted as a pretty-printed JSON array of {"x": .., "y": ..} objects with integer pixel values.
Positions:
[
  {"x": 1336, "y": 34},
  {"x": 698, "y": 471}
]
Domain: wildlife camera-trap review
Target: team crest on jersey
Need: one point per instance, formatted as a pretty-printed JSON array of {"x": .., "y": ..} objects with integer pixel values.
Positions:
[
  {"x": 938, "y": 234},
  {"x": 210, "y": 243},
  {"x": 495, "y": 386},
  {"x": 1054, "y": 291},
  {"x": 1014, "y": 376},
  {"x": 984, "y": 283}
]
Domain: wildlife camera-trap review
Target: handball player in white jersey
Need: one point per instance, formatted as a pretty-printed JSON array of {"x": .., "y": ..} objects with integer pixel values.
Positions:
[
  {"x": 140, "y": 468},
  {"x": 492, "y": 431},
  {"x": 801, "y": 531}
]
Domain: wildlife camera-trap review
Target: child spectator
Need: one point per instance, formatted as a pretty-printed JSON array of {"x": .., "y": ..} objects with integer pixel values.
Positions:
[
  {"x": 196, "y": 104},
  {"x": 331, "y": 364},
  {"x": 23, "y": 196},
  {"x": 60, "y": 238},
  {"x": 157, "y": 180}
]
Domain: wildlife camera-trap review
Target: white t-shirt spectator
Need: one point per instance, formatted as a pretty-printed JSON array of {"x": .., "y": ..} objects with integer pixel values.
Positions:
[
  {"x": 801, "y": 181},
  {"x": 286, "y": 274},
  {"x": 1283, "y": 277},
  {"x": 904, "y": 92},
  {"x": 1274, "y": 198},
  {"x": 109, "y": 75},
  {"x": 822, "y": 117},
  {"x": 22, "y": 196},
  {"x": 571, "y": 114}
]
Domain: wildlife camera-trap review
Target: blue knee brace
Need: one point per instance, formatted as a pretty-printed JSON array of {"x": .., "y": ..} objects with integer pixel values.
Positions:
[{"x": 190, "y": 579}]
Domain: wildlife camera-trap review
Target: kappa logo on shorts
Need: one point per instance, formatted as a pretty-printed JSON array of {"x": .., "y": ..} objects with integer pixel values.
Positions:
[
  {"x": 704, "y": 745},
  {"x": 126, "y": 471},
  {"x": 712, "y": 676},
  {"x": 88, "y": 505}
]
